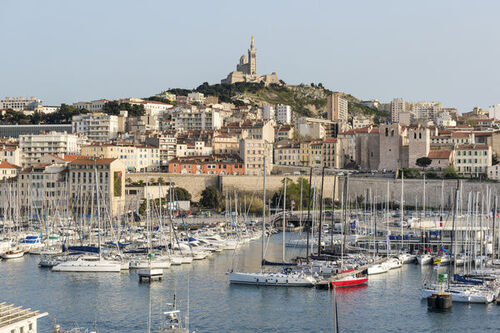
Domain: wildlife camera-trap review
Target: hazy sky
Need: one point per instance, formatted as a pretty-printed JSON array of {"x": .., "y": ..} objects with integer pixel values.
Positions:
[{"x": 68, "y": 50}]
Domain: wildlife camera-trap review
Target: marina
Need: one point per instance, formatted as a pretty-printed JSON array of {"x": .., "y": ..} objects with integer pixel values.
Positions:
[{"x": 118, "y": 303}]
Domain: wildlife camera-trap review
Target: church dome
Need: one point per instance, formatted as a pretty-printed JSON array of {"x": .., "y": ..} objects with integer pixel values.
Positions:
[{"x": 243, "y": 60}]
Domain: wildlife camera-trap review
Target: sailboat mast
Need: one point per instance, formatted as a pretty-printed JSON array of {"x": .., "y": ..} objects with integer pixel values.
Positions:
[
  {"x": 284, "y": 217},
  {"x": 321, "y": 211},
  {"x": 98, "y": 212},
  {"x": 402, "y": 205},
  {"x": 263, "y": 212},
  {"x": 308, "y": 220}
]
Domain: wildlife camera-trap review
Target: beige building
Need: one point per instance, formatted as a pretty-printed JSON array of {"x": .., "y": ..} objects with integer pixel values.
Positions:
[
  {"x": 225, "y": 144},
  {"x": 398, "y": 105},
  {"x": 441, "y": 159},
  {"x": 287, "y": 152},
  {"x": 136, "y": 158},
  {"x": 252, "y": 152},
  {"x": 8, "y": 170},
  {"x": 108, "y": 175},
  {"x": 331, "y": 153},
  {"x": 473, "y": 159},
  {"x": 337, "y": 108}
]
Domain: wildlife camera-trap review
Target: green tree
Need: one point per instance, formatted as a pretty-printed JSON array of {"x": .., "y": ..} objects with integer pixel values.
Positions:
[
  {"x": 450, "y": 173},
  {"x": 423, "y": 162},
  {"x": 293, "y": 193},
  {"x": 181, "y": 194},
  {"x": 211, "y": 198}
]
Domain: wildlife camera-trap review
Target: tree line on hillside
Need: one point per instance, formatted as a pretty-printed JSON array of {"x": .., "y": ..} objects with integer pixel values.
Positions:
[{"x": 65, "y": 114}]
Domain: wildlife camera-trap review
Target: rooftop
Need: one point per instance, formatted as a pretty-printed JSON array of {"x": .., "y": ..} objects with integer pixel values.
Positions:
[{"x": 11, "y": 314}]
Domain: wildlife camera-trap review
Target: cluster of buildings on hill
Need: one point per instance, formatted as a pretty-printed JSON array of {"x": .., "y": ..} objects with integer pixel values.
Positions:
[{"x": 197, "y": 134}]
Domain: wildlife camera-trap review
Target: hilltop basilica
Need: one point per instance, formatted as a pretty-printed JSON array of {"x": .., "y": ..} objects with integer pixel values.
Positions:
[{"x": 246, "y": 70}]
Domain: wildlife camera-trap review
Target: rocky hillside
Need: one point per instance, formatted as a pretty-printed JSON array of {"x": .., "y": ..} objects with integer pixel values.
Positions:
[{"x": 307, "y": 100}]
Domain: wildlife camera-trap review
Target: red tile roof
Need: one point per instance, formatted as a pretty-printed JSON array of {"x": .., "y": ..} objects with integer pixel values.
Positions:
[
  {"x": 439, "y": 154},
  {"x": 7, "y": 165}
]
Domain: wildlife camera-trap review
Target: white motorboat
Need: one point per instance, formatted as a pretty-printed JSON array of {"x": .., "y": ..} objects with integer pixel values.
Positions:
[
  {"x": 407, "y": 258},
  {"x": 159, "y": 263},
  {"x": 13, "y": 254},
  {"x": 424, "y": 259},
  {"x": 378, "y": 269},
  {"x": 291, "y": 279},
  {"x": 393, "y": 263},
  {"x": 88, "y": 264}
]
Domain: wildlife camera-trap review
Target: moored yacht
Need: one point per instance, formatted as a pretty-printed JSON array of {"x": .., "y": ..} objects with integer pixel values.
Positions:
[{"x": 88, "y": 264}]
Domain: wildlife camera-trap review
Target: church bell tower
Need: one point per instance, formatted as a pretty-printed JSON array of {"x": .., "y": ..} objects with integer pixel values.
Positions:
[{"x": 252, "y": 58}]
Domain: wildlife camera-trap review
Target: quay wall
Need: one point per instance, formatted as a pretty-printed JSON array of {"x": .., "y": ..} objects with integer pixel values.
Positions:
[
  {"x": 413, "y": 188},
  {"x": 195, "y": 184},
  {"x": 414, "y": 191}
]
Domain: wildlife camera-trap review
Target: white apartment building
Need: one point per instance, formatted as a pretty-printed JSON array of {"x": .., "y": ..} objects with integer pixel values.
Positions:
[
  {"x": 196, "y": 149},
  {"x": 135, "y": 158},
  {"x": 152, "y": 108},
  {"x": 196, "y": 97},
  {"x": 494, "y": 172},
  {"x": 197, "y": 120},
  {"x": 11, "y": 154},
  {"x": 20, "y": 103},
  {"x": 97, "y": 126},
  {"x": 494, "y": 111},
  {"x": 284, "y": 114},
  {"x": 34, "y": 146},
  {"x": 360, "y": 122},
  {"x": 92, "y": 106},
  {"x": 398, "y": 105},
  {"x": 444, "y": 119},
  {"x": 473, "y": 159},
  {"x": 8, "y": 170},
  {"x": 267, "y": 112}
]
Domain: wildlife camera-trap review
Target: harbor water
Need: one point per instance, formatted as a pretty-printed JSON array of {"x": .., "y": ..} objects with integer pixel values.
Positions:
[{"x": 117, "y": 302}]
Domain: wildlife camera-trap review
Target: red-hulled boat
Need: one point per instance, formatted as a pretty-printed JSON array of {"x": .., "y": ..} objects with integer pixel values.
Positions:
[{"x": 350, "y": 280}]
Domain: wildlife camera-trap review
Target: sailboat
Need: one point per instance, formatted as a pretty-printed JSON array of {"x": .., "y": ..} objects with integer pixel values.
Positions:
[
  {"x": 287, "y": 277},
  {"x": 90, "y": 263},
  {"x": 151, "y": 270}
]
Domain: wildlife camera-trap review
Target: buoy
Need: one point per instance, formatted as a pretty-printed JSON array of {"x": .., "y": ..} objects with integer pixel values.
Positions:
[{"x": 439, "y": 301}]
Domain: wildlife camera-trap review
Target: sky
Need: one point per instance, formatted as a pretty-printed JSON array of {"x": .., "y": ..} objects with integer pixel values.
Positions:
[{"x": 67, "y": 51}]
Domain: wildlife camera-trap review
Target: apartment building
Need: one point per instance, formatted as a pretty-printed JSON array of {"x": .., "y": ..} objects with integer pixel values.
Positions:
[
  {"x": 252, "y": 152},
  {"x": 331, "y": 156},
  {"x": 287, "y": 152},
  {"x": 197, "y": 120},
  {"x": 398, "y": 105},
  {"x": 208, "y": 165},
  {"x": 10, "y": 153},
  {"x": 8, "y": 170},
  {"x": 35, "y": 146},
  {"x": 20, "y": 103},
  {"x": 337, "y": 108},
  {"x": 96, "y": 126},
  {"x": 92, "y": 106},
  {"x": 198, "y": 148},
  {"x": 107, "y": 175},
  {"x": 473, "y": 159},
  {"x": 135, "y": 158},
  {"x": 284, "y": 114},
  {"x": 225, "y": 144},
  {"x": 167, "y": 144}
]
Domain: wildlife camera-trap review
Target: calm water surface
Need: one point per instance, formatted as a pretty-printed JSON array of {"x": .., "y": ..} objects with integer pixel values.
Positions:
[{"x": 118, "y": 303}]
